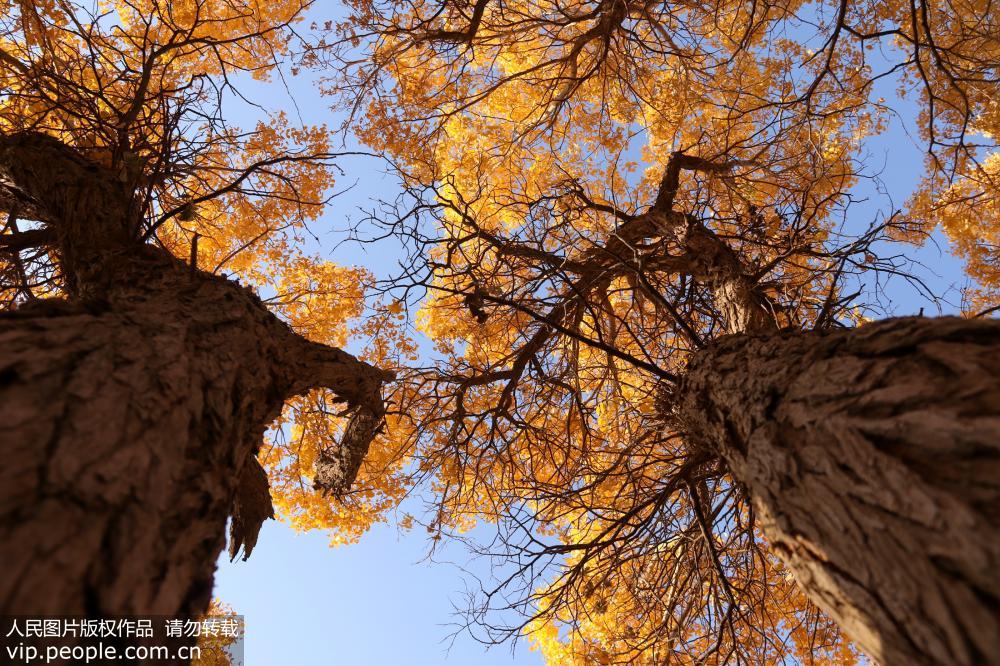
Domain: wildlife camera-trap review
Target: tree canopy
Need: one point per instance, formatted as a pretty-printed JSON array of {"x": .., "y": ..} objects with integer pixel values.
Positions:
[{"x": 597, "y": 190}]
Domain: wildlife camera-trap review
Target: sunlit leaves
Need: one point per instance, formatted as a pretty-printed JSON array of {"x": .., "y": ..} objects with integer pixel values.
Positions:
[{"x": 563, "y": 297}]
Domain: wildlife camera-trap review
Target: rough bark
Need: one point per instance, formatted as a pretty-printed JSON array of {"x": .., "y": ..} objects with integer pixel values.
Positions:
[
  {"x": 872, "y": 457},
  {"x": 132, "y": 411}
]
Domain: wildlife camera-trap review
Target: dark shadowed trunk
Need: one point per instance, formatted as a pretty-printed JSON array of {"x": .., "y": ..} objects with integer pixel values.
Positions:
[
  {"x": 872, "y": 457},
  {"x": 132, "y": 411}
]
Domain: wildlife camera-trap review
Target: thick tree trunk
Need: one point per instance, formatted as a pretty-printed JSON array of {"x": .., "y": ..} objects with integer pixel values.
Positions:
[
  {"x": 127, "y": 434},
  {"x": 131, "y": 413},
  {"x": 872, "y": 457}
]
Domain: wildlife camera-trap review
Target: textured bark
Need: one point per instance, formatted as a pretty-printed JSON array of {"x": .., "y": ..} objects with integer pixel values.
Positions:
[
  {"x": 127, "y": 433},
  {"x": 743, "y": 306},
  {"x": 132, "y": 411},
  {"x": 872, "y": 457}
]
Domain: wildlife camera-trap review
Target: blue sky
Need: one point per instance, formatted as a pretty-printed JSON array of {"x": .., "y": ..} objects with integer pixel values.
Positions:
[
  {"x": 379, "y": 602},
  {"x": 371, "y": 604}
]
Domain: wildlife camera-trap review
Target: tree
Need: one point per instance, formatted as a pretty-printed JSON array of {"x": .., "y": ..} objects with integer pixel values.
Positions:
[
  {"x": 138, "y": 381},
  {"x": 652, "y": 372}
]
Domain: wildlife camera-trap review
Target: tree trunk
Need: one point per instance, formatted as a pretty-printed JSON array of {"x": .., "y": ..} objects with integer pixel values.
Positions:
[
  {"x": 126, "y": 435},
  {"x": 132, "y": 412},
  {"x": 872, "y": 457}
]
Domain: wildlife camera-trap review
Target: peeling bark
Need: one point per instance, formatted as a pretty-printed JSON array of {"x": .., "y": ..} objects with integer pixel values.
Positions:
[
  {"x": 872, "y": 457},
  {"x": 251, "y": 507},
  {"x": 132, "y": 411}
]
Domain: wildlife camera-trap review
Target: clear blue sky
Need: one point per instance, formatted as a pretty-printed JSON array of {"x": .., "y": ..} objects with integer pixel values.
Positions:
[
  {"x": 371, "y": 604},
  {"x": 377, "y": 603}
]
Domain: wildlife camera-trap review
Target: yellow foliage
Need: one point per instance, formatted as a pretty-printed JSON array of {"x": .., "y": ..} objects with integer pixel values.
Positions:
[{"x": 538, "y": 137}]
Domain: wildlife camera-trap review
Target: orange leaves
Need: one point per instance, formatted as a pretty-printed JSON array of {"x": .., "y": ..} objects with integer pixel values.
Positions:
[
  {"x": 137, "y": 94},
  {"x": 320, "y": 299},
  {"x": 564, "y": 299},
  {"x": 214, "y": 647},
  {"x": 310, "y": 424},
  {"x": 241, "y": 34},
  {"x": 968, "y": 211},
  {"x": 326, "y": 303},
  {"x": 252, "y": 228}
]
